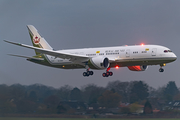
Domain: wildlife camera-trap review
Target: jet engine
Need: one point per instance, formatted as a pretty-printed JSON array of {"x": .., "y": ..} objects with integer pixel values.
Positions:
[
  {"x": 138, "y": 68},
  {"x": 98, "y": 62}
]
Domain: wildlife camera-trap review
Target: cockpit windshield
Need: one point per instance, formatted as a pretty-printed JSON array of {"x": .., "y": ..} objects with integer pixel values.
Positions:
[{"x": 166, "y": 51}]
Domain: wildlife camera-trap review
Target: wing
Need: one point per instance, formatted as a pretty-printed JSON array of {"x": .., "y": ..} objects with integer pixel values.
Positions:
[{"x": 71, "y": 57}]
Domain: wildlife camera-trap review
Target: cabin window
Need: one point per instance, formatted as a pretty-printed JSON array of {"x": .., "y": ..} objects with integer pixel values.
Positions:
[
  {"x": 112, "y": 53},
  {"x": 135, "y": 52},
  {"x": 90, "y": 54},
  {"x": 101, "y": 53},
  {"x": 144, "y": 51}
]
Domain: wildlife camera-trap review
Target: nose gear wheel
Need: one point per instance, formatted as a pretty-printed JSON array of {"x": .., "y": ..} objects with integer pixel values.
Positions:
[{"x": 161, "y": 70}]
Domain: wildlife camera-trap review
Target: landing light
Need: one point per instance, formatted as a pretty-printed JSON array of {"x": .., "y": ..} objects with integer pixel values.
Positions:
[
  {"x": 117, "y": 66},
  {"x": 142, "y": 44}
]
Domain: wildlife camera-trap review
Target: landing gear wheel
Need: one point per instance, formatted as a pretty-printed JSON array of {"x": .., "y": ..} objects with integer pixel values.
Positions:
[
  {"x": 107, "y": 74},
  {"x": 91, "y": 72},
  {"x": 84, "y": 74},
  {"x": 110, "y": 73},
  {"x": 161, "y": 70},
  {"x": 104, "y": 74}
]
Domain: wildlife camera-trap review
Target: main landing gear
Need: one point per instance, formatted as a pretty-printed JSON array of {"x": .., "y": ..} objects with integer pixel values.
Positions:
[
  {"x": 86, "y": 74},
  {"x": 107, "y": 74}
]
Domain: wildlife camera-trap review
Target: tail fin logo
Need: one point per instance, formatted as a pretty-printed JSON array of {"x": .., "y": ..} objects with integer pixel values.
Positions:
[{"x": 36, "y": 40}]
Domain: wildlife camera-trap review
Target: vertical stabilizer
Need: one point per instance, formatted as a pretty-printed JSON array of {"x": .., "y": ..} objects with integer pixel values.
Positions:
[{"x": 37, "y": 40}]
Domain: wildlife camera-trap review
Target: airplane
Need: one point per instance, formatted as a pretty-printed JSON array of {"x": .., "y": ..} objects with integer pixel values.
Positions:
[{"x": 136, "y": 57}]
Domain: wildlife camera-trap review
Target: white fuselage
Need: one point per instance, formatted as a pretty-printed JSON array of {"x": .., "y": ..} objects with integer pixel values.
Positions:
[{"x": 122, "y": 55}]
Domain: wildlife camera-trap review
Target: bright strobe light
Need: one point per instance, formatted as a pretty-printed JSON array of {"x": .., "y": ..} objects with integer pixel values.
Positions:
[{"x": 117, "y": 67}]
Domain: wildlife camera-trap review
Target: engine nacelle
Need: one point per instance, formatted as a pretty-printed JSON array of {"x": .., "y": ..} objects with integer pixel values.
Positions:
[
  {"x": 98, "y": 62},
  {"x": 138, "y": 68}
]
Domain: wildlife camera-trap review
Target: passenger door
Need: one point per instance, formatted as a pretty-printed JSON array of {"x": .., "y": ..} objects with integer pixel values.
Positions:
[
  {"x": 154, "y": 50},
  {"x": 128, "y": 53}
]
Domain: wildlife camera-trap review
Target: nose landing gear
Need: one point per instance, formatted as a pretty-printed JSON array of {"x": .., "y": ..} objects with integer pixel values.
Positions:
[
  {"x": 107, "y": 74},
  {"x": 161, "y": 69}
]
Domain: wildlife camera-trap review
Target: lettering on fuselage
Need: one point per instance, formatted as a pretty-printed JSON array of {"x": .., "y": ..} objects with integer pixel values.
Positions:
[
  {"x": 122, "y": 50},
  {"x": 112, "y": 52}
]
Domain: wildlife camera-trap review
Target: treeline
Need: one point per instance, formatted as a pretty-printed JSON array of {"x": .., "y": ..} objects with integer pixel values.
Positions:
[{"x": 41, "y": 99}]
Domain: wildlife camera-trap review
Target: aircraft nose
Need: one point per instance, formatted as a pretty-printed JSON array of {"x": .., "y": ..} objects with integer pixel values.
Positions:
[{"x": 174, "y": 56}]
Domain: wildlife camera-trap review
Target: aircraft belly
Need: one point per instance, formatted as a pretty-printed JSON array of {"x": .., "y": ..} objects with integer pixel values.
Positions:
[{"x": 142, "y": 61}]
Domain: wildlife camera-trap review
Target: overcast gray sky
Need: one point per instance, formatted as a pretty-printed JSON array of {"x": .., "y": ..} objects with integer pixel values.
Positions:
[{"x": 87, "y": 23}]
